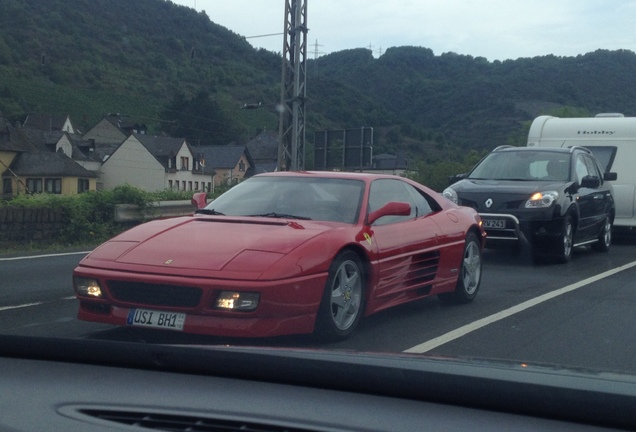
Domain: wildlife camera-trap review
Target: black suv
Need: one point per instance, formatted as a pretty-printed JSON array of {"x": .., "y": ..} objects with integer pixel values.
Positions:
[{"x": 551, "y": 199}]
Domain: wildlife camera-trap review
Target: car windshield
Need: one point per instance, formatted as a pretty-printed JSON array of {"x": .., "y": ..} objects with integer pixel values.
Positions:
[
  {"x": 330, "y": 178},
  {"x": 316, "y": 198},
  {"x": 523, "y": 165}
]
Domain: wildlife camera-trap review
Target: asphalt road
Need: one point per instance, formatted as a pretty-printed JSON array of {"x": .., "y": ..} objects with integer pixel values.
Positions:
[{"x": 578, "y": 314}]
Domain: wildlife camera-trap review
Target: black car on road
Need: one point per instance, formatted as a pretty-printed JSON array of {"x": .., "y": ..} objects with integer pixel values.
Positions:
[{"x": 551, "y": 199}]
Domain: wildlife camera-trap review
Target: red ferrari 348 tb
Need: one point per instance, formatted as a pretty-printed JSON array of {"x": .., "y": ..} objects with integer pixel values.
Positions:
[{"x": 286, "y": 253}]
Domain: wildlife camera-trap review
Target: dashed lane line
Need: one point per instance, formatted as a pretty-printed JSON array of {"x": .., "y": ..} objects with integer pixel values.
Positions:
[
  {"x": 43, "y": 256},
  {"x": 25, "y": 305}
]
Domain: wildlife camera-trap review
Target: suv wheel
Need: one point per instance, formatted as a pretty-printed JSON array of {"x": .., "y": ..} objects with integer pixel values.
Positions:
[
  {"x": 604, "y": 237},
  {"x": 564, "y": 245}
]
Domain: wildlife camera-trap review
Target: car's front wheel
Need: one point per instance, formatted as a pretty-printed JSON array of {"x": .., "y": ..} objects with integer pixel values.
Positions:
[
  {"x": 565, "y": 242},
  {"x": 469, "y": 277},
  {"x": 604, "y": 237},
  {"x": 343, "y": 299}
]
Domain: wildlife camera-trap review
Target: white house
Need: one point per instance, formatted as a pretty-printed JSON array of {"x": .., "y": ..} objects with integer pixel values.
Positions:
[{"x": 154, "y": 163}]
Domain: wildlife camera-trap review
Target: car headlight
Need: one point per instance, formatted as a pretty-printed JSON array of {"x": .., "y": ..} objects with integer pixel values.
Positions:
[
  {"x": 241, "y": 301},
  {"x": 87, "y": 287},
  {"x": 542, "y": 199},
  {"x": 451, "y": 195}
]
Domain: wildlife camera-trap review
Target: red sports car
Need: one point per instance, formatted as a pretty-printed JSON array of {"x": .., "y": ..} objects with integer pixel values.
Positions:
[{"x": 286, "y": 253}]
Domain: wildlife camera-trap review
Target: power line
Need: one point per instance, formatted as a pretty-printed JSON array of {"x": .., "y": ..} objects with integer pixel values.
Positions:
[{"x": 264, "y": 35}]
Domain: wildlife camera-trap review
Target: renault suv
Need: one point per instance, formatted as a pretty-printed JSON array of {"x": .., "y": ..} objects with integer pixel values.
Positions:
[{"x": 551, "y": 199}]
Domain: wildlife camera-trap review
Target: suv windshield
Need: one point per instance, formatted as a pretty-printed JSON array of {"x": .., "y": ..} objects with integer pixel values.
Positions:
[{"x": 523, "y": 165}]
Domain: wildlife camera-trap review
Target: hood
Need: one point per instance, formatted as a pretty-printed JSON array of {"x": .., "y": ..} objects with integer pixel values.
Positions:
[
  {"x": 207, "y": 243},
  {"x": 487, "y": 196},
  {"x": 505, "y": 186}
]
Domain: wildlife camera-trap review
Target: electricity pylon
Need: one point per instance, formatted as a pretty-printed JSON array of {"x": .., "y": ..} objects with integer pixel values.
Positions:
[{"x": 291, "y": 127}]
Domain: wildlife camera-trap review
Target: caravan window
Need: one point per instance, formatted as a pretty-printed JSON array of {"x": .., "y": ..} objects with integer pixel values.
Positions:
[{"x": 605, "y": 156}]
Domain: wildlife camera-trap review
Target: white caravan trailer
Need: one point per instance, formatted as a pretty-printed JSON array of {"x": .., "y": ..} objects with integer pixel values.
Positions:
[{"x": 612, "y": 139}]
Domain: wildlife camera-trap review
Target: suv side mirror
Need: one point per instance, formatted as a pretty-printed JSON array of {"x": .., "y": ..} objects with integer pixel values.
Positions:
[
  {"x": 590, "y": 182},
  {"x": 610, "y": 176}
]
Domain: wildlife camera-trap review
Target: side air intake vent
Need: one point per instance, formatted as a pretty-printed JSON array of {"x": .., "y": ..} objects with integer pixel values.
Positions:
[{"x": 183, "y": 423}]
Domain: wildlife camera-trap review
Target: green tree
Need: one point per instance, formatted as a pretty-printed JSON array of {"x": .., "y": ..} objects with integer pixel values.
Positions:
[{"x": 200, "y": 120}]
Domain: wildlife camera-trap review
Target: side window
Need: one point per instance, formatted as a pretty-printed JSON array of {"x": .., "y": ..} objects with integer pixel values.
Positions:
[
  {"x": 384, "y": 191},
  {"x": 581, "y": 168},
  {"x": 592, "y": 167},
  {"x": 424, "y": 204}
]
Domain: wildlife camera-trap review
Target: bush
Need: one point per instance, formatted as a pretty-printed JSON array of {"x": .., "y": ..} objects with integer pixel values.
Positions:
[{"x": 89, "y": 218}]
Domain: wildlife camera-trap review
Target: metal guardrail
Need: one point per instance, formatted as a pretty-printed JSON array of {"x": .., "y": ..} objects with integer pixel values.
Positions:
[{"x": 161, "y": 209}]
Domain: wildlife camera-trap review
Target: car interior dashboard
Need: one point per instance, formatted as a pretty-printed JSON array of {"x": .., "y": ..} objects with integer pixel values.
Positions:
[{"x": 86, "y": 385}]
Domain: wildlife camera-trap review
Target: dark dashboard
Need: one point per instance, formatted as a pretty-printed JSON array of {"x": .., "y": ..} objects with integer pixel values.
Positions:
[{"x": 81, "y": 385}]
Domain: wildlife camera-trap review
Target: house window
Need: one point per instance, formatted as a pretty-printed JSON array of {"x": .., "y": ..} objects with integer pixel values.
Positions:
[
  {"x": 34, "y": 185},
  {"x": 241, "y": 166},
  {"x": 185, "y": 163},
  {"x": 196, "y": 185},
  {"x": 7, "y": 187},
  {"x": 183, "y": 185},
  {"x": 170, "y": 184},
  {"x": 82, "y": 185},
  {"x": 53, "y": 185},
  {"x": 172, "y": 163},
  {"x": 189, "y": 185}
]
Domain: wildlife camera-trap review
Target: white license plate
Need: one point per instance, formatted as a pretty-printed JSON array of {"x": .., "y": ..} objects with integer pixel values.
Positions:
[
  {"x": 495, "y": 223},
  {"x": 156, "y": 319}
]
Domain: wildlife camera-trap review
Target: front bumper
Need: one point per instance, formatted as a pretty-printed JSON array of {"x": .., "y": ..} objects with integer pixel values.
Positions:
[
  {"x": 285, "y": 306},
  {"x": 504, "y": 228}
]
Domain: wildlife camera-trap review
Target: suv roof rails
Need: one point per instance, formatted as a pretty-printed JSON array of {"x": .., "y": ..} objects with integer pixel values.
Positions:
[
  {"x": 501, "y": 147},
  {"x": 585, "y": 149}
]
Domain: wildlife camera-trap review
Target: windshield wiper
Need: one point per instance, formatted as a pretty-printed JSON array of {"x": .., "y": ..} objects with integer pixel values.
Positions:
[
  {"x": 281, "y": 216},
  {"x": 209, "y": 212}
]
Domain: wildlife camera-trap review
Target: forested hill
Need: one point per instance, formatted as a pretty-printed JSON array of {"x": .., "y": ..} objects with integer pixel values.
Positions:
[
  {"x": 181, "y": 73},
  {"x": 142, "y": 58},
  {"x": 473, "y": 102}
]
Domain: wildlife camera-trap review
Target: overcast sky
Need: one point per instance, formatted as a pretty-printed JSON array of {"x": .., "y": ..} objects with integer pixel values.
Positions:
[{"x": 494, "y": 29}]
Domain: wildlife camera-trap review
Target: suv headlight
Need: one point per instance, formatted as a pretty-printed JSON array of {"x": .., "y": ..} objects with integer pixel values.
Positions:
[
  {"x": 542, "y": 199},
  {"x": 451, "y": 195}
]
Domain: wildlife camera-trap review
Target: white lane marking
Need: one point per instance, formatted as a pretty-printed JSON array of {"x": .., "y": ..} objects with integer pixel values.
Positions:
[
  {"x": 44, "y": 256},
  {"x": 6, "y": 308},
  {"x": 476, "y": 325}
]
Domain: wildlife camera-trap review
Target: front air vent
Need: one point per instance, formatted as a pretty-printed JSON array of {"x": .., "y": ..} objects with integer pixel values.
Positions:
[
  {"x": 154, "y": 294},
  {"x": 183, "y": 423}
]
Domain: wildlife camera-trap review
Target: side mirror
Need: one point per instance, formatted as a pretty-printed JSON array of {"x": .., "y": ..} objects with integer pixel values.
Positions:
[
  {"x": 590, "y": 182},
  {"x": 610, "y": 176},
  {"x": 392, "y": 208},
  {"x": 199, "y": 200}
]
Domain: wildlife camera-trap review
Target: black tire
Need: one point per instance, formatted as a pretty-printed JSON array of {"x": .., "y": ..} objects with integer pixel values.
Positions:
[
  {"x": 342, "y": 304},
  {"x": 563, "y": 248},
  {"x": 604, "y": 237},
  {"x": 469, "y": 277}
]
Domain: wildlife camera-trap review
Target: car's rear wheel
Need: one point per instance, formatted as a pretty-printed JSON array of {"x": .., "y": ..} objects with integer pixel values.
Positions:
[
  {"x": 604, "y": 237},
  {"x": 342, "y": 303},
  {"x": 469, "y": 277}
]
